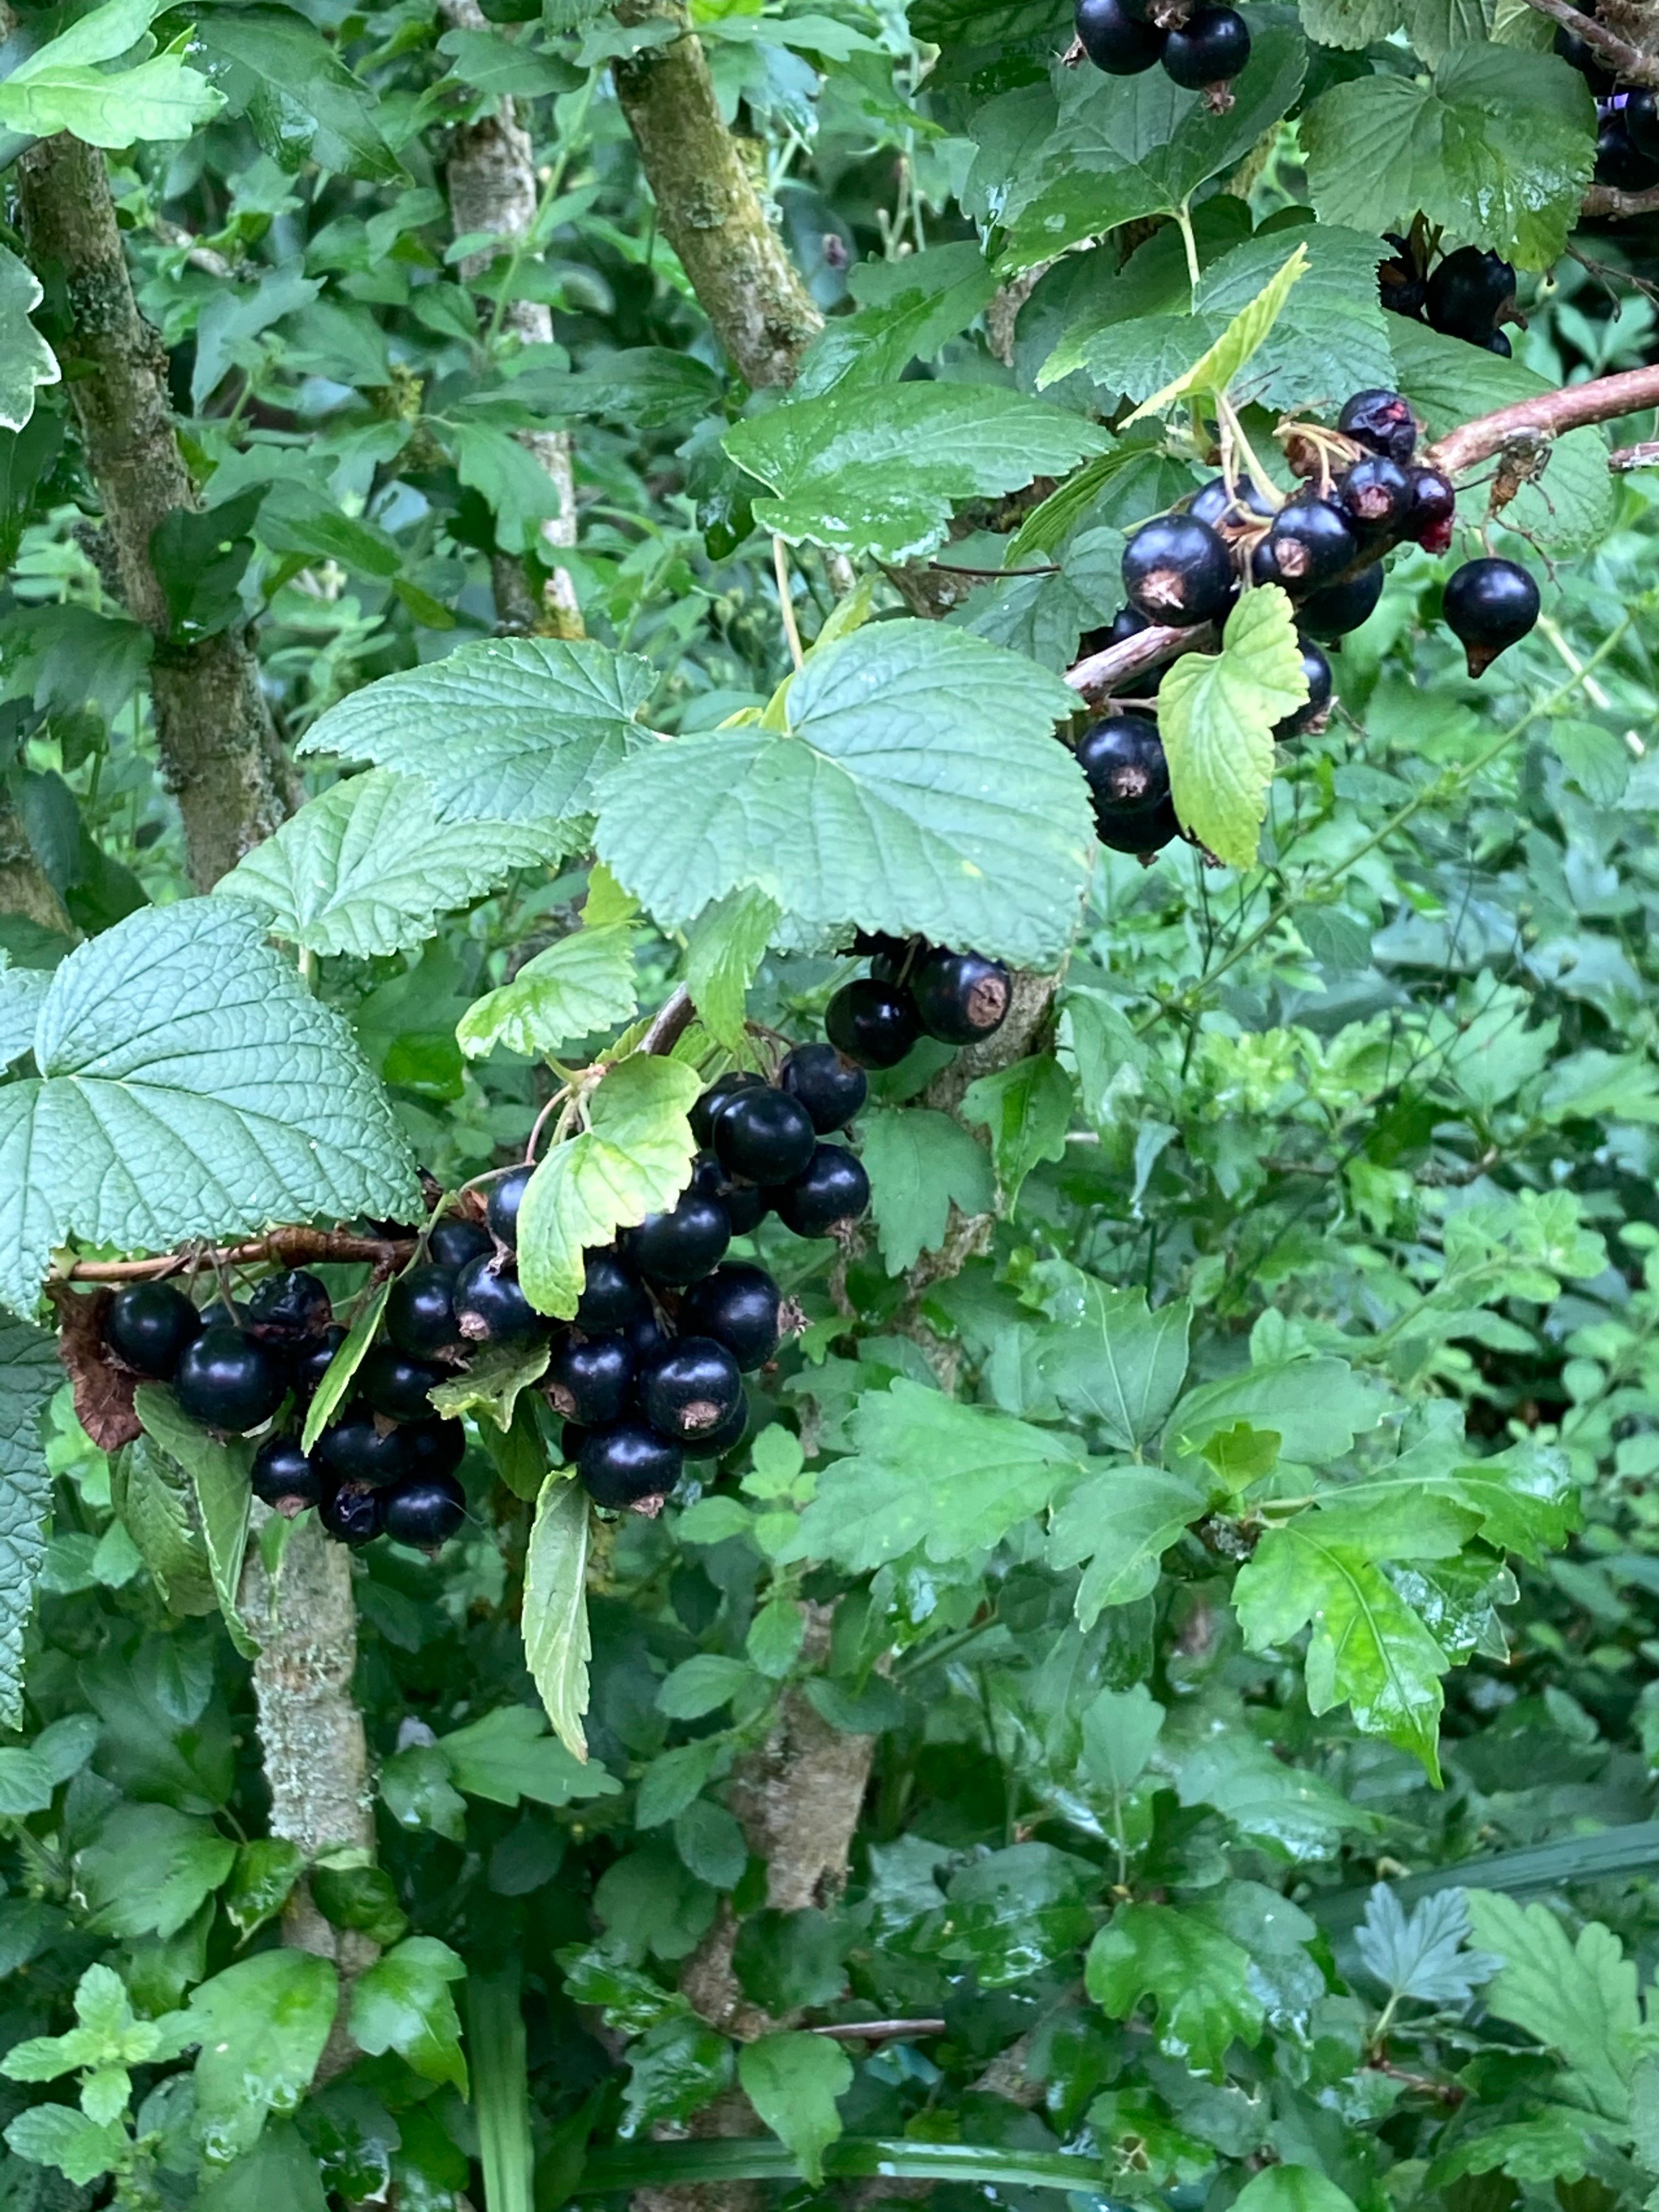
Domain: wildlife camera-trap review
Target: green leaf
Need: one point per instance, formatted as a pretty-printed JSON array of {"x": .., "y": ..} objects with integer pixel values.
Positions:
[
  {"x": 1107, "y": 1358},
  {"x": 1420, "y": 1953},
  {"x": 149, "y": 1492},
  {"x": 190, "y": 1086},
  {"x": 25, "y": 1785},
  {"x": 1198, "y": 1979},
  {"x": 219, "y": 1473},
  {"x": 1577, "y": 1999},
  {"x": 724, "y": 949},
  {"x": 280, "y": 62},
  {"x": 793, "y": 2080},
  {"x": 511, "y": 729},
  {"x": 1121, "y": 1521},
  {"x": 921, "y": 1163},
  {"x": 57, "y": 2134},
  {"x": 906, "y": 310},
  {"x": 632, "y": 1159},
  {"x": 1292, "y": 2189},
  {"x": 1019, "y": 1911},
  {"x": 556, "y": 1643},
  {"x": 676, "y": 2068},
  {"x": 368, "y": 869},
  {"x": 1217, "y": 714},
  {"x": 1119, "y": 1728},
  {"x": 265, "y": 1872},
  {"x": 1027, "y": 1107},
  {"x": 262, "y": 2025},
  {"x": 403, "y": 2004},
  {"x": 280, "y": 2169},
  {"x": 916, "y": 787},
  {"x": 582, "y": 984},
  {"x": 508, "y": 1755},
  {"x": 1500, "y": 146},
  {"x": 1237, "y": 344},
  {"x": 701, "y": 1684},
  {"x": 492, "y": 1384},
  {"x": 26, "y": 362},
  {"x": 877, "y": 470},
  {"x": 331, "y": 1392},
  {"x": 1317, "y": 1406},
  {"x": 510, "y": 480},
  {"x": 62, "y": 86},
  {"x": 640, "y": 387},
  {"x": 149, "y": 1869},
  {"x": 29, "y": 1375}
]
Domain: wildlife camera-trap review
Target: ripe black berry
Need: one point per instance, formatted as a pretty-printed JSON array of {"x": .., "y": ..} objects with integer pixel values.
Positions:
[
  {"x": 960, "y": 996},
  {"x": 646, "y": 1337},
  {"x": 689, "y": 1387},
  {"x": 1381, "y": 421},
  {"x": 1498, "y": 343},
  {"x": 147, "y": 1326},
  {"x": 1432, "y": 510},
  {"x": 1642, "y": 121},
  {"x": 491, "y": 1309},
  {"x": 1115, "y": 40},
  {"x": 1308, "y": 542},
  {"x": 1230, "y": 511},
  {"x": 1343, "y": 607},
  {"x": 834, "y": 1189},
  {"x": 588, "y": 1378},
  {"x": 1468, "y": 292},
  {"x": 764, "y": 1136},
  {"x": 1489, "y": 604},
  {"x": 454, "y": 1241},
  {"x": 351, "y": 1514},
  {"x": 434, "y": 1446},
  {"x": 358, "y": 1449},
  {"x": 393, "y": 1383},
  {"x": 226, "y": 1380},
  {"x": 313, "y": 1361},
  {"x": 1124, "y": 762},
  {"x": 1376, "y": 496},
  {"x": 505, "y": 1196},
  {"x": 1585, "y": 58},
  {"x": 287, "y": 1308},
  {"x": 572, "y": 1436},
  {"x": 738, "y": 1306},
  {"x": 1314, "y": 713},
  {"x": 677, "y": 1247},
  {"x": 1177, "y": 570},
  {"x": 708, "y": 1109},
  {"x": 830, "y": 1090},
  {"x": 1401, "y": 282},
  {"x": 626, "y": 1465},
  {"x": 744, "y": 1203},
  {"x": 420, "y": 1314},
  {"x": 1209, "y": 48},
  {"x": 1123, "y": 625},
  {"x": 284, "y": 1477},
  {"x": 612, "y": 1292},
  {"x": 726, "y": 1438},
  {"x": 874, "y": 1022},
  {"x": 426, "y": 1511},
  {"x": 1619, "y": 161}
]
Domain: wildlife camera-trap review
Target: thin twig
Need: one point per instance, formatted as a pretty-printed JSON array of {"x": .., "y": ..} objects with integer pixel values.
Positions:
[
  {"x": 1613, "y": 205},
  {"x": 1627, "y": 61},
  {"x": 288, "y": 1244},
  {"x": 1602, "y": 399},
  {"x": 1644, "y": 454},
  {"x": 1101, "y": 672},
  {"x": 786, "y": 600},
  {"x": 878, "y": 2031},
  {"x": 674, "y": 1016}
]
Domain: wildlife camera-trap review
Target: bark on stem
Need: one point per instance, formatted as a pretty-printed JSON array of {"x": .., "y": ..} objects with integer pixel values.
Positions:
[
  {"x": 1627, "y": 61},
  {"x": 1551, "y": 414},
  {"x": 220, "y": 753}
]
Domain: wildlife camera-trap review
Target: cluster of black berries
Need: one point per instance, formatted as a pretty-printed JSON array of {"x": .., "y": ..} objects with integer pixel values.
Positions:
[
  {"x": 915, "y": 990},
  {"x": 387, "y": 1465},
  {"x": 1203, "y": 48},
  {"x": 1468, "y": 293},
  {"x": 1324, "y": 545},
  {"x": 1627, "y": 123}
]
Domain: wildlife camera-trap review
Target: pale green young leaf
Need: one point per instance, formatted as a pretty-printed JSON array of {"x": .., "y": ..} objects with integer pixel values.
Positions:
[
  {"x": 1217, "y": 367},
  {"x": 632, "y": 1159},
  {"x": 403, "y": 2004},
  {"x": 29, "y": 1375},
  {"x": 262, "y": 2025},
  {"x": 1198, "y": 1979},
  {"x": 724, "y": 949},
  {"x": 219, "y": 1474},
  {"x": 1292, "y": 2188},
  {"x": 508, "y": 1755},
  {"x": 582, "y": 984},
  {"x": 702, "y": 1685},
  {"x": 557, "y": 1644},
  {"x": 331, "y": 1392},
  {"x": 1420, "y": 1953},
  {"x": 150, "y": 1493},
  {"x": 26, "y": 362},
  {"x": 59, "y": 2136},
  {"x": 1217, "y": 713},
  {"x": 102, "y": 34},
  {"x": 1027, "y": 1108},
  {"x": 492, "y": 1384},
  {"x": 160, "y": 97},
  {"x": 1577, "y": 1998},
  {"x": 792, "y": 2079},
  {"x": 921, "y": 1163}
]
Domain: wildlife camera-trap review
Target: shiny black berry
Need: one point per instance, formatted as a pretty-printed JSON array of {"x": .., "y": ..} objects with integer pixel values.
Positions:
[
  {"x": 1586, "y": 59},
  {"x": 491, "y": 1309},
  {"x": 1433, "y": 508},
  {"x": 960, "y": 996},
  {"x": 1343, "y": 607},
  {"x": 1468, "y": 293},
  {"x": 627, "y": 1465},
  {"x": 1177, "y": 570},
  {"x": 284, "y": 1477},
  {"x": 646, "y": 1336},
  {"x": 874, "y": 1024},
  {"x": 1381, "y": 421},
  {"x": 1498, "y": 343},
  {"x": 1230, "y": 511},
  {"x": 588, "y": 1378},
  {"x": 708, "y": 1109},
  {"x": 1376, "y": 496},
  {"x": 1124, "y": 625},
  {"x": 1619, "y": 161},
  {"x": 834, "y": 1190},
  {"x": 1642, "y": 122},
  {"x": 1315, "y": 712},
  {"x": 358, "y": 1449},
  {"x": 505, "y": 1196},
  {"x": 738, "y": 1306},
  {"x": 425, "y": 1510},
  {"x": 314, "y": 1359},
  {"x": 147, "y": 1326},
  {"x": 1489, "y": 605},
  {"x": 744, "y": 1203},
  {"x": 1308, "y": 543},
  {"x": 689, "y": 1387},
  {"x": 287, "y": 1308},
  {"x": 1123, "y": 759},
  {"x": 393, "y": 1383},
  {"x": 1211, "y": 47},
  {"x": 765, "y": 1136},
  {"x": 227, "y": 1380},
  {"x": 830, "y": 1088},
  {"x": 726, "y": 1438},
  {"x": 1141, "y": 831},
  {"x": 351, "y": 1513},
  {"x": 612, "y": 1294},
  {"x": 434, "y": 1446},
  {"x": 454, "y": 1241},
  {"x": 677, "y": 1247},
  {"x": 1115, "y": 40},
  {"x": 420, "y": 1314}
]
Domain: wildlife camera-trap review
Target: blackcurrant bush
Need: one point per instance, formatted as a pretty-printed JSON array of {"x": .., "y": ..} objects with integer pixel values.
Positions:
[
  {"x": 612, "y": 1292},
  {"x": 425, "y": 1510},
  {"x": 393, "y": 1383},
  {"x": 1376, "y": 496},
  {"x": 1209, "y": 48},
  {"x": 505, "y": 1196},
  {"x": 1489, "y": 604},
  {"x": 739, "y": 1306},
  {"x": 708, "y": 1109},
  {"x": 419, "y": 1313},
  {"x": 689, "y": 1387},
  {"x": 287, "y": 1308},
  {"x": 1123, "y": 625},
  {"x": 744, "y": 1203},
  {"x": 1313, "y": 714},
  {"x": 677, "y": 1247},
  {"x": 588, "y": 1378},
  {"x": 834, "y": 1190},
  {"x": 1229, "y": 510},
  {"x": 1619, "y": 162},
  {"x": 1381, "y": 421},
  {"x": 284, "y": 1477},
  {"x": 1433, "y": 509},
  {"x": 1468, "y": 292},
  {"x": 1308, "y": 543},
  {"x": 1125, "y": 764},
  {"x": 1141, "y": 830},
  {"x": 627, "y": 1465},
  {"x": 1178, "y": 570},
  {"x": 491, "y": 1309},
  {"x": 434, "y": 1446},
  {"x": 830, "y": 1088},
  {"x": 147, "y": 1326},
  {"x": 726, "y": 1438},
  {"x": 765, "y": 1136},
  {"x": 1343, "y": 607},
  {"x": 313, "y": 1361},
  {"x": 1642, "y": 122},
  {"x": 874, "y": 1024},
  {"x": 227, "y": 1380},
  {"x": 358, "y": 1449},
  {"x": 1115, "y": 40},
  {"x": 351, "y": 1513},
  {"x": 454, "y": 1241},
  {"x": 961, "y": 996}
]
